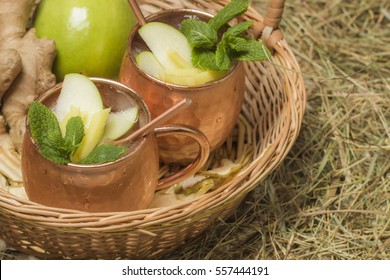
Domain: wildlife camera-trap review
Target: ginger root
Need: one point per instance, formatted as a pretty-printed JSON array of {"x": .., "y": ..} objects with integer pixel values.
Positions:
[
  {"x": 37, "y": 56},
  {"x": 10, "y": 67}
]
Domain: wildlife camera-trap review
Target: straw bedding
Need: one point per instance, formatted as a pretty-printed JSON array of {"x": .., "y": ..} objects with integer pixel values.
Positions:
[{"x": 330, "y": 198}]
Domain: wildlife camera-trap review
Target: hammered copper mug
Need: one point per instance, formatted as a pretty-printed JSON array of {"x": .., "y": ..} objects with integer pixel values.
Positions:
[
  {"x": 124, "y": 185},
  {"x": 215, "y": 106}
]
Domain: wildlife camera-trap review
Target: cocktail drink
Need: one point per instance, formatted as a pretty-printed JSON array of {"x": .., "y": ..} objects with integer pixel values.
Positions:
[
  {"x": 215, "y": 105},
  {"x": 125, "y": 184}
]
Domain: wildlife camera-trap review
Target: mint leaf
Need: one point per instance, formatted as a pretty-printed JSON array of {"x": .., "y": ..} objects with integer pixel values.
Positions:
[
  {"x": 222, "y": 57},
  {"x": 199, "y": 34},
  {"x": 104, "y": 153},
  {"x": 237, "y": 29},
  {"x": 204, "y": 59},
  {"x": 255, "y": 51},
  {"x": 46, "y": 132},
  {"x": 231, "y": 38},
  {"x": 44, "y": 125},
  {"x": 54, "y": 154},
  {"x": 230, "y": 11},
  {"x": 237, "y": 44},
  {"x": 74, "y": 134}
]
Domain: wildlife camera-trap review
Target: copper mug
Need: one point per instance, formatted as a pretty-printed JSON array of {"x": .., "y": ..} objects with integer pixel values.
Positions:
[
  {"x": 124, "y": 185},
  {"x": 215, "y": 106}
]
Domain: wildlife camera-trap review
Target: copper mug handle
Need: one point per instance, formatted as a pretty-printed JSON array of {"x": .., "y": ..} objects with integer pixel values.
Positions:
[{"x": 194, "y": 166}]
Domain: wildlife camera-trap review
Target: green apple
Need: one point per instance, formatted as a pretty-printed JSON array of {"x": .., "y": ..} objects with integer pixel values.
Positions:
[
  {"x": 162, "y": 39},
  {"x": 118, "y": 123},
  {"x": 90, "y": 36}
]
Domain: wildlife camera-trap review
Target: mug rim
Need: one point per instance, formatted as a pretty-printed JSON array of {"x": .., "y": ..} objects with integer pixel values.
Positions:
[
  {"x": 153, "y": 17},
  {"x": 110, "y": 82}
]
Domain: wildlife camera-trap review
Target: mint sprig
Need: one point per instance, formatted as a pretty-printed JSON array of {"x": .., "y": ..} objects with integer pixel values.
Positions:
[
  {"x": 46, "y": 132},
  {"x": 210, "y": 52}
]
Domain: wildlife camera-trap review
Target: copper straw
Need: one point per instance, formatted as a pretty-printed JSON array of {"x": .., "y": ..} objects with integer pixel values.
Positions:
[
  {"x": 168, "y": 114},
  {"x": 137, "y": 12}
]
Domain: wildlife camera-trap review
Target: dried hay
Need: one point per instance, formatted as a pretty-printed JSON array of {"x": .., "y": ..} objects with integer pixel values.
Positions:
[{"x": 330, "y": 198}]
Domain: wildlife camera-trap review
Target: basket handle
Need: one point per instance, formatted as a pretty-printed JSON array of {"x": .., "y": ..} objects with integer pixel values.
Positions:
[{"x": 268, "y": 29}]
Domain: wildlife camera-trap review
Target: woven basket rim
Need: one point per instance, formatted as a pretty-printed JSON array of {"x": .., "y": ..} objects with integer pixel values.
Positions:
[
  {"x": 31, "y": 206},
  {"x": 142, "y": 221}
]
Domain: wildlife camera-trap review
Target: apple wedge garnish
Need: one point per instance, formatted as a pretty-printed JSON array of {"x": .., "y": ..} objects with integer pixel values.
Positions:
[
  {"x": 80, "y": 92},
  {"x": 80, "y": 97},
  {"x": 179, "y": 61},
  {"x": 170, "y": 57},
  {"x": 119, "y": 123},
  {"x": 179, "y": 80},
  {"x": 92, "y": 134},
  {"x": 184, "y": 74},
  {"x": 161, "y": 39},
  {"x": 147, "y": 62},
  {"x": 191, "y": 77}
]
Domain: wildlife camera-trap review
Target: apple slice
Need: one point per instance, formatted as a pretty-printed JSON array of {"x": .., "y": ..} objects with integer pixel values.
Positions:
[
  {"x": 80, "y": 97},
  {"x": 119, "y": 123},
  {"x": 181, "y": 80},
  {"x": 191, "y": 77},
  {"x": 148, "y": 63},
  {"x": 92, "y": 134},
  {"x": 185, "y": 74},
  {"x": 161, "y": 39},
  {"x": 208, "y": 76},
  {"x": 80, "y": 92},
  {"x": 179, "y": 60}
]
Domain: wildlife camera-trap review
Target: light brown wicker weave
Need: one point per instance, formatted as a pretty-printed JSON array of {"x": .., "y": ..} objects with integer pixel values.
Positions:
[{"x": 269, "y": 124}]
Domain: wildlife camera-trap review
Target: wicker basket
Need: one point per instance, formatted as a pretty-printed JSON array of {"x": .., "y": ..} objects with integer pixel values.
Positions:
[{"x": 268, "y": 126}]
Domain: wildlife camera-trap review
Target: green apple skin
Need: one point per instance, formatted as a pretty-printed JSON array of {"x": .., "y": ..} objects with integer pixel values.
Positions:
[{"x": 90, "y": 35}]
